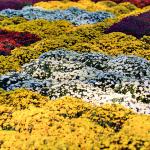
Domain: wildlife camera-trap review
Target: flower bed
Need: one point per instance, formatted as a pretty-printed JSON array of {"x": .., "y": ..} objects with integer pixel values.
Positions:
[
  {"x": 138, "y": 3},
  {"x": 36, "y": 122},
  {"x": 17, "y": 4},
  {"x": 87, "y": 76},
  {"x": 89, "y": 4},
  {"x": 66, "y": 72},
  {"x": 63, "y": 34},
  {"x": 11, "y": 40},
  {"x": 122, "y": 8},
  {"x": 74, "y": 15},
  {"x": 137, "y": 26}
]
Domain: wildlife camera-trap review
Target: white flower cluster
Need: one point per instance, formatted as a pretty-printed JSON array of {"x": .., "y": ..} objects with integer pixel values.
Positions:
[
  {"x": 74, "y": 15},
  {"x": 90, "y": 76}
]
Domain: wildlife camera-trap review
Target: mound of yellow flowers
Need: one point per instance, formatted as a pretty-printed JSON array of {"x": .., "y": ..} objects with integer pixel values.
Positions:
[{"x": 31, "y": 121}]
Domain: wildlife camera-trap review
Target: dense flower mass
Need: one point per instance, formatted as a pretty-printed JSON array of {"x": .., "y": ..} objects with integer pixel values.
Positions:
[
  {"x": 63, "y": 34},
  {"x": 10, "y": 40},
  {"x": 74, "y": 15},
  {"x": 87, "y": 76},
  {"x": 67, "y": 67},
  {"x": 109, "y": 6},
  {"x": 138, "y": 3},
  {"x": 36, "y": 122},
  {"x": 137, "y": 26},
  {"x": 17, "y": 4}
]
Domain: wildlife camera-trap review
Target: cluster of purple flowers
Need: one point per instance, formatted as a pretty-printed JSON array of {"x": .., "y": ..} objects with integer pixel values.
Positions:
[{"x": 137, "y": 26}]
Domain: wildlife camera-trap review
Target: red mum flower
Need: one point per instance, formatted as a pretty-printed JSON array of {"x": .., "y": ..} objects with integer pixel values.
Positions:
[{"x": 11, "y": 40}]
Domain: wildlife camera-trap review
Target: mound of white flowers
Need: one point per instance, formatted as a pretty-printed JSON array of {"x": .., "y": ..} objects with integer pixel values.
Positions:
[
  {"x": 74, "y": 15},
  {"x": 104, "y": 79}
]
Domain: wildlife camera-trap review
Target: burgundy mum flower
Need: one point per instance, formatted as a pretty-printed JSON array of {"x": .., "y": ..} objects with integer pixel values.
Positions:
[
  {"x": 137, "y": 26},
  {"x": 11, "y": 40},
  {"x": 138, "y": 3},
  {"x": 16, "y": 4}
]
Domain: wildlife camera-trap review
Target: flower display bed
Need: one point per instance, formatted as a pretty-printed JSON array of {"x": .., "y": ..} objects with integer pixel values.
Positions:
[
  {"x": 17, "y": 4},
  {"x": 11, "y": 40},
  {"x": 75, "y": 75},
  {"x": 74, "y": 15},
  {"x": 137, "y": 26},
  {"x": 35, "y": 121},
  {"x": 138, "y": 3},
  {"x": 87, "y": 76}
]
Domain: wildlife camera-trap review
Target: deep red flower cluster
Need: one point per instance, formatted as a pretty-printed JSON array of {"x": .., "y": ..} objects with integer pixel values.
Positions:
[
  {"x": 137, "y": 26},
  {"x": 16, "y": 4},
  {"x": 11, "y": 40},
  {"x": 138, "y": 3}
]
